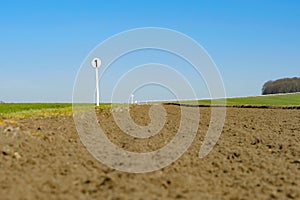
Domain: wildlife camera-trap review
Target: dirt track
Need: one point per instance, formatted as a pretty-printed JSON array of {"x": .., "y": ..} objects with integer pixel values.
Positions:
[{"x": 256, "y": 157}]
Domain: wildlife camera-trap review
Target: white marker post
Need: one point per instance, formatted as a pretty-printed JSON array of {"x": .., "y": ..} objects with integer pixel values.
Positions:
[
  {"x": 132, "y": 96},
  {"x": 96, "y": 63}
]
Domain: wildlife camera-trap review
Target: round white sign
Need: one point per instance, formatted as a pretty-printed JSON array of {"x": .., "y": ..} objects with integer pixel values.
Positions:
[{"x": 96, "y": 62}]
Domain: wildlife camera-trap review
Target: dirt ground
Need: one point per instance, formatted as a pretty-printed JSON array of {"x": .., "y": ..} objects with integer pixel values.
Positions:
[{"x": 256, "y": 157}]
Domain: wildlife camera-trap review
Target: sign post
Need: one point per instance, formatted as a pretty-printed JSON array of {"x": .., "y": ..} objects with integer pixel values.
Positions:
[
  {"x": 96, "y": 63},
  {"x": 131, "y": 98}
]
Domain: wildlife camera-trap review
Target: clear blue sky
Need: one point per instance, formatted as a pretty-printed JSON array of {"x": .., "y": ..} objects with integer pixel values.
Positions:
[{"x": 43, "y": 43}]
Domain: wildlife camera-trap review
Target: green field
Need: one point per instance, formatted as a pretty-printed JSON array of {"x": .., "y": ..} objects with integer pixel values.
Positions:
[
  {"x": 20, "y": 110},
  {"x": 17, "y": 107},
  {"x": 269, "y": 100}
]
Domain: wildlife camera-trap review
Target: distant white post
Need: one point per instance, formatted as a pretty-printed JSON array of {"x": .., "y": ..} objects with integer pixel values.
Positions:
[
  {"x": 96, "y": 63},
  {"x": 132, "y": 98}
]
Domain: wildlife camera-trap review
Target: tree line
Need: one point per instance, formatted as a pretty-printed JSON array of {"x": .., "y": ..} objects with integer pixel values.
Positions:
[{"x": 284, "y": 85}]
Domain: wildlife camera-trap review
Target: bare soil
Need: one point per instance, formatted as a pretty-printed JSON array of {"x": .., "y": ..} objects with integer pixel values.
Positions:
[{"x": 256, "y": 157}]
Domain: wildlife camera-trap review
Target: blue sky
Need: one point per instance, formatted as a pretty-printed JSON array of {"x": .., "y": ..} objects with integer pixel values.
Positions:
[{"x": 43, "y": 43}]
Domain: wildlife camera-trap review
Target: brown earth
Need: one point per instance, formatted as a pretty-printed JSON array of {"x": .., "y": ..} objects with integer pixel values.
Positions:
[{"x": 256, "y": 157}]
